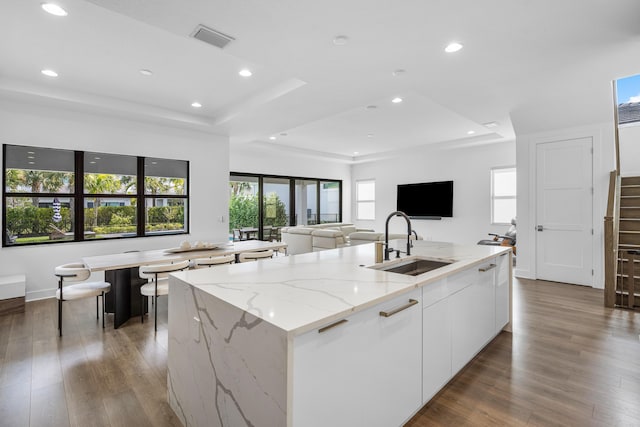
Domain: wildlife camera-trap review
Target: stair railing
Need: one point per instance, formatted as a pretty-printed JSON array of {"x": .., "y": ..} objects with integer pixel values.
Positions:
[{"x": 611, "y": 233}]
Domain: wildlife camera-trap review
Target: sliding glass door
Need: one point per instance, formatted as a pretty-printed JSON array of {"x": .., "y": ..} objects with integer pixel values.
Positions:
[
  {"x": 243, "y": 207},
  {"x": 275, "y": 207},
  {"x": 330, "y": 201},
  {"x": 306, "y": 202},
  {"x": 260, "y": 205}
]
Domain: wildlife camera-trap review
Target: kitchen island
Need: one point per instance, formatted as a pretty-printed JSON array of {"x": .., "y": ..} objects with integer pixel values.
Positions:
[{"x": 320, "y": 339}]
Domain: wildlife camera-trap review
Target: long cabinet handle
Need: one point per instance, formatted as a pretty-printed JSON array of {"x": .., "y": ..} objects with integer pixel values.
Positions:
[
  {"x": 333, "y": 325},
  {"x": 399, "y": 309},
  {"x": 490, "y": 267}
]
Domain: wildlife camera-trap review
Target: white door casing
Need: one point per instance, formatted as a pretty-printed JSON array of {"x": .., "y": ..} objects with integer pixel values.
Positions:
[{"x": 564, "y": 211}]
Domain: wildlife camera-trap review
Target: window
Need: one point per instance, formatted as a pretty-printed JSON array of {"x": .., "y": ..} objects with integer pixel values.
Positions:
[
  {"x": 39, "y": 195},
  {"x": 628, "y": 97},
  {"x": 366, "y": 200},
  {"x": 165, "y": 196},
  {"x": 503, "y": 195},
  {"x": 109, "y": 194},
  {"x": 53, "y": 195}
]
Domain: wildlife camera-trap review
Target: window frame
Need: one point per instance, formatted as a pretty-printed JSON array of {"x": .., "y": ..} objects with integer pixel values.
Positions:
[
  {"x": 494, "y": 197},
  {"x": 365, "y": 201},
  {"x": 292, "y": 199},
  {"x": 78, "y": 197}
]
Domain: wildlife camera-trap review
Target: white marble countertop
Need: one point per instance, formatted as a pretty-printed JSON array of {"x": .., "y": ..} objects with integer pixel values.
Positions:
[{"x": 301, "y": 292}]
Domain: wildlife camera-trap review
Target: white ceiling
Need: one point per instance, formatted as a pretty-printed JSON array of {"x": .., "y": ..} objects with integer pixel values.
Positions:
[{"x": 528, "y": 65}]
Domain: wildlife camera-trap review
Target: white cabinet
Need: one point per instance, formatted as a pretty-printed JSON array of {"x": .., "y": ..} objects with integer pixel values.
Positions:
[
  {"x": 436, "y": 340},
  {"x": 502, "y": 295},
  {"x": 472, "y": 313},
  {"x": 365, "y": 371}
]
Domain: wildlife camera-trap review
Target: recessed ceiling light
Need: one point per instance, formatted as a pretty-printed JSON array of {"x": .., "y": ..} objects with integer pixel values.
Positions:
[
  {"x": 273, "y": 138},
  {"x": 399, "y": 72},
  {"x": 54, "y": 9},
  {"x": 371, "y": 107},
  {"x": 340, "y": 40},
  {"x": 396, "y": 100},
  {"x": 196, "y": 104},
  {"x": 453, "y": 47},
  {"x": 245, "y": 73},
  {"x": 471, "y": 132},
  {"x": 146, "y": 72},
  {"x": 49, "y": 73},
  {"x": 32, "y": 163},
  {"x": 30, "y": 152},
  {"x": 30, "y": 157},
  {"x": 92, "y": 162},
  {"x": 97, "y": 158},
  {"x": 355, "y": 153},
  {"x": 490, "y": 124},
  {"x": 154, "y": 163}
]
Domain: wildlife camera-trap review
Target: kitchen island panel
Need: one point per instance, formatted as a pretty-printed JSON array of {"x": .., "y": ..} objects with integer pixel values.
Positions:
[{"x": 227, "y": 367}]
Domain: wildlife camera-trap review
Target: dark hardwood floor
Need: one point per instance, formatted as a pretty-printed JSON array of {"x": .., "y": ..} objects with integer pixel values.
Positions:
[{"x": 569, "y": 361}]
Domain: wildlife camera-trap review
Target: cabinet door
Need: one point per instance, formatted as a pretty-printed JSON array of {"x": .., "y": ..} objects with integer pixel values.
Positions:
[
  {"x": 503, "y": 297},
  {"x": 436, "y": 348},
  {"x": 365, "y": 371},
  {"x": 473, "y": 314}
]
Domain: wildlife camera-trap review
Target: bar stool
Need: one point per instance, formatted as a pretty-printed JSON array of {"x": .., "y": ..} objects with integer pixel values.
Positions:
[
  {"x": 216, "y": 260},
  {"x": 254, "y": 256},
  {"x": 77, "y": 272},
  {"x": 158, "y": 284}
]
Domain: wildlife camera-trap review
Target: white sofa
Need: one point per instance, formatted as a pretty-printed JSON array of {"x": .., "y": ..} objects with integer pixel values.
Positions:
[
  {"x": 362, "y": 237},
  {"x": 303, "y": 239}
]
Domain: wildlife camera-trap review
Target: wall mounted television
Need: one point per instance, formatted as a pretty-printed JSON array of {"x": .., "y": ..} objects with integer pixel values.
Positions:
[{"x": 427, "y": 200}]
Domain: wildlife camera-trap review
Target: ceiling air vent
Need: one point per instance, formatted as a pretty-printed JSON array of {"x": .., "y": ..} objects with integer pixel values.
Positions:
[{"x": 212, "y": 37}]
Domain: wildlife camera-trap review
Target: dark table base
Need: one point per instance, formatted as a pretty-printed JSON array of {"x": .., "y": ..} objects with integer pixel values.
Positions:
[{"x": 124, "y": 298}]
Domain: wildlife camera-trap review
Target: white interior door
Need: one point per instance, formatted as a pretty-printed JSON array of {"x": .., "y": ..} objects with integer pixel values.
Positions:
[{"x": 564, "y": 217}]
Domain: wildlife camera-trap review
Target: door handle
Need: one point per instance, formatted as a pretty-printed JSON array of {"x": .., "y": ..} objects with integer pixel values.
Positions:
[
  {"x": 390, "y": 313},
  {"x": 540, "y": 228}
]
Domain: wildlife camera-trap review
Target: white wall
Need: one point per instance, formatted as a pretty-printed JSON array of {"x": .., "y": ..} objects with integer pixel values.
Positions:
[
  {"x": 256, "y": 159},
  {"x": 469, "y": 168},
  {"x": 603, "y": 163},
  {"x": 629, "y": 136},
  {"x": 23, "y": 124}
]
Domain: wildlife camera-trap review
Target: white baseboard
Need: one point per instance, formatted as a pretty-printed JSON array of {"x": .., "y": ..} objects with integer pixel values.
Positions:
[
  {"x": 523, "y": 274},
  {"x": 43, "y": 294}
]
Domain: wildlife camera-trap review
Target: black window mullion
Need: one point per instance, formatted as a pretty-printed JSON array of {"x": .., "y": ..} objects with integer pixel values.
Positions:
[
  {"x": 5, "y": 237},
  {"x": 140, "y": 198},
  {"x": 260, "y": 206},
  {"x": 318, "y": 209},
  {"x": 78, "y": 196},
  {"x": 340, "y": 201},
  {"x": 292, "y": 201}
]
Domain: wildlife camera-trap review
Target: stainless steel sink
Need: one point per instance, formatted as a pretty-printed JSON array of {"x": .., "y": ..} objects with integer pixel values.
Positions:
[{"x": 413, "y": 267}]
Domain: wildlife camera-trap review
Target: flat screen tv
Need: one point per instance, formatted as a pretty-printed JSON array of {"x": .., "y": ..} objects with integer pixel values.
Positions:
[{"x": 426, "y": 200}]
